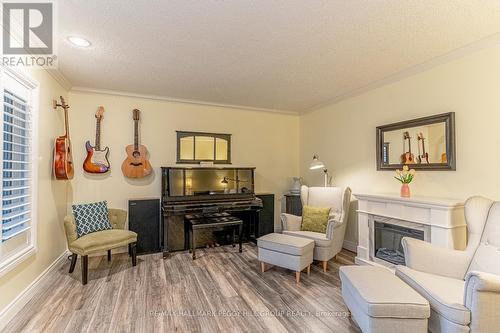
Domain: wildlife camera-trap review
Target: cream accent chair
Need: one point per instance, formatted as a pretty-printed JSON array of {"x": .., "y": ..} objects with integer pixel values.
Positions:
[
  {"x": 327, "y": 245},
  {"x": 462, "y": 287}
]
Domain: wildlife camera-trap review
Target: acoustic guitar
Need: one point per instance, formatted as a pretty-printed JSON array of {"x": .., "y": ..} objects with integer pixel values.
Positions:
[
  {"x": 424, "y": 155},
  {"x": 407, "y": 157},
  {"x": 97, "y": 158},
  {"x": 63, "y": 160},
  {"x": 136, "y": 165}
]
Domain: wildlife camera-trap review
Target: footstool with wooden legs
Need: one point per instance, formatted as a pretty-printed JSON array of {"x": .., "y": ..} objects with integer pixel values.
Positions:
[{"x": 286, "y": 251}]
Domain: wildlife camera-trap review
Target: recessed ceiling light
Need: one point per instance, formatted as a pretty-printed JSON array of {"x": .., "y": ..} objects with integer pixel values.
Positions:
[{"x": 79, "y": 41}]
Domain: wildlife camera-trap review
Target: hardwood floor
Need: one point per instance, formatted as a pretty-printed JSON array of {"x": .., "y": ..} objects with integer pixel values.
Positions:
[{"x": 221, "y": 291}]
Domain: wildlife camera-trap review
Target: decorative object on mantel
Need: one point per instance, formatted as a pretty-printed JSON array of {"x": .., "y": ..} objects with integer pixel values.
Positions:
[
  {"x": 434, "y": 136},
  {"x": 297, "y": 183},
  {"x": 317, "y": 164},
  {"x": 405, "y": 176},
  {"x": 384, "y": 219}
]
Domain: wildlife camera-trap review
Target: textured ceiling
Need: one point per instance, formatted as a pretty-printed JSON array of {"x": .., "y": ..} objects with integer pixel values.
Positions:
[{"x": 286, "y": 55}]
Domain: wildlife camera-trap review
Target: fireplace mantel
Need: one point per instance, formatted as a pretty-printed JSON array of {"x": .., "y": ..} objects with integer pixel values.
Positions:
[{"x": 444, "y": 218}]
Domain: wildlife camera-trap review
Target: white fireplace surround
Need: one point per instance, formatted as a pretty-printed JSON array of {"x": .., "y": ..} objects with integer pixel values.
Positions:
[{"x": 441, "y": 220}]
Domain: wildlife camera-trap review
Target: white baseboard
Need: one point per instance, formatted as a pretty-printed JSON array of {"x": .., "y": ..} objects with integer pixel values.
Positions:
[
  {"x": 350, "y": 245},
  {"x": 7, "y": 313}
]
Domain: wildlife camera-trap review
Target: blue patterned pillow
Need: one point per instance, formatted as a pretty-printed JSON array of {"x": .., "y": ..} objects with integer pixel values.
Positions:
[{"x": 91, "y": 217}]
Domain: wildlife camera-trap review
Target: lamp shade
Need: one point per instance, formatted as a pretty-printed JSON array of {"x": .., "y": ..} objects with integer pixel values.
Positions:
[{"x": 316, "y": 163}]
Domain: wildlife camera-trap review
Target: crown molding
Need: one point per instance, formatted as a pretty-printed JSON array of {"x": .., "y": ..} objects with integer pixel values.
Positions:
[
  {"x": 177, "y": 100},
  {"x": 456, "y": 54},
  {"x": 60, "y": 78}
]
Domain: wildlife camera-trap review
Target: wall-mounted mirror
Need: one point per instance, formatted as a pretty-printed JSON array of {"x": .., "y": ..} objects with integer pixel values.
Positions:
[
  {"x": 195, "y": 147},
  {"x": 425, "y": 143}
]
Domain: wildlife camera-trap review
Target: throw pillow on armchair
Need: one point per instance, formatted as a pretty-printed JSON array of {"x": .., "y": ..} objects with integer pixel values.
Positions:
[{"x": 314, "y": 219}]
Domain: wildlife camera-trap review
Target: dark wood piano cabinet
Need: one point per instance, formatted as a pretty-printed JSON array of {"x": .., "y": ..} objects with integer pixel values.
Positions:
[{"x": 195, "y": 190}]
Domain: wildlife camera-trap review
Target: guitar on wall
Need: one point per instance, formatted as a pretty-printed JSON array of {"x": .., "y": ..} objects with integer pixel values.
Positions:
[
  {"x": 136, "y": 165},
  {"x": 97, "y": 158},
  {"x": 424, "y": 155},
  {"x": 407, "y": 157},
  {"x": 63, "y": 160}
]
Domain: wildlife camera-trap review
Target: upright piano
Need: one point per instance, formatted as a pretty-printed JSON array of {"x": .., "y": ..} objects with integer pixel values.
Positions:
[{"x": 199, "y": 190}]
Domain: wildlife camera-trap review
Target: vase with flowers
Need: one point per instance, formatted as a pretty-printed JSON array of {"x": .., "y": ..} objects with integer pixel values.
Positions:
[{"x": 405, "y": 176}]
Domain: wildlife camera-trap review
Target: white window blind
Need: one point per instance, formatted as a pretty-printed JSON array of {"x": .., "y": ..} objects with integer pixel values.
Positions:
[
  {"x": 17, "y": 239},
  {"x": 16, "y": 176}
]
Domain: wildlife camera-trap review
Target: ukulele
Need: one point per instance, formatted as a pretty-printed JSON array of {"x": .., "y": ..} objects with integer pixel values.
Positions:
[
  {"x": 136, "y": 164},
  {"x": 63, "y": 160},
  {"x": 407, "y": 157},
  {"x": 97, "y": 159},
  {"x": 424, "y": 156}
]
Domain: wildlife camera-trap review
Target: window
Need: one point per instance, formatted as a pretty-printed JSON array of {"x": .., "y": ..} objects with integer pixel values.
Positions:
[
  {"x": 18, "y": 170},
  {"x": 195, "y": 147}
]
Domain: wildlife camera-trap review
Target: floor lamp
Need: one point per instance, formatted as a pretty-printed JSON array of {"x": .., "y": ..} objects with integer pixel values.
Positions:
[{"x": 317, "y": 164}]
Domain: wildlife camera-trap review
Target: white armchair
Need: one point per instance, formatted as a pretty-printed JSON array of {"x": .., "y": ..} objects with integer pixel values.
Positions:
[
  {"x": 462, "y": 287},
  {"x": 327, "y": 245}
]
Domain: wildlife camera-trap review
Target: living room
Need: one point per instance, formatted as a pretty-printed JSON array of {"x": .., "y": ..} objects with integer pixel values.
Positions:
[{"x": 257, "y": 116}]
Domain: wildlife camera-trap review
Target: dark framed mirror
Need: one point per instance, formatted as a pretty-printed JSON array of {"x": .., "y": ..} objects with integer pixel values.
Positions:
[
  {"x": 196, "y": 147},
  {"x": 426, "y": 143}
]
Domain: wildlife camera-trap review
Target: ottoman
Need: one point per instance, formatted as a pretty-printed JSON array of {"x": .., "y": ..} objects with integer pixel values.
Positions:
[
  {"x": 380, "y": 302},
  {"x": 285, "y": 251}
]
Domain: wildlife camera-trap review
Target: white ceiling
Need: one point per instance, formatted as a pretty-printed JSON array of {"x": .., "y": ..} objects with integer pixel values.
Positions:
[{"x": 287, "y": 55}]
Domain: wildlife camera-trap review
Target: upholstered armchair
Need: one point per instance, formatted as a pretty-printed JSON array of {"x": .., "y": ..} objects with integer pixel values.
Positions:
[
  {"x": 462, "y": 287},
  {"x": 99, "y": 241},
  {"x": 326, "y": 245}
]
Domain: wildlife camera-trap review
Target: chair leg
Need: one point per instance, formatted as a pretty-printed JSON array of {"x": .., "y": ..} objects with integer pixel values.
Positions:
[
  {"x": 130, "y": 250},
  {"x": 309, "y": 269},
  {"x": 109, "y": 255},
  {"x": 325, "y": 266},
  {"x": 133, "y": 250},
  {"x": 85, "y": 269},
  {"x": 74, "y": 256},
  {"x": 297, "y": 277}
]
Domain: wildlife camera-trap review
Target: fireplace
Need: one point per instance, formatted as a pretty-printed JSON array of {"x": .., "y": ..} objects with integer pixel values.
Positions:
[
  {"x": 387, "y": 241},
  {"x": 438, "y": 221}
]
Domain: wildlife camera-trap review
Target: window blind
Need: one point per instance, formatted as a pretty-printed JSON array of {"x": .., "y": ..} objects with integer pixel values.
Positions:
[{"x": 16, "y": 167}]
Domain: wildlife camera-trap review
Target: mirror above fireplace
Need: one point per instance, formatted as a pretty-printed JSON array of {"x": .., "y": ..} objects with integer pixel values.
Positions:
[{"x": 425, "y": 143}]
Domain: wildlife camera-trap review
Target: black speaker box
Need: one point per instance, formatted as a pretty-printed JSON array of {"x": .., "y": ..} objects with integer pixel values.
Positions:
[
  {"x": 265, "y": 224},
  {"x": 144, "y": 219}
]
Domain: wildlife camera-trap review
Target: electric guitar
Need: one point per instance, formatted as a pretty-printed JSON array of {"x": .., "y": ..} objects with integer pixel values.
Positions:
[
  {"x": 424, "y": 155},
  {"x": 136, "y": 164},
  {"x": 63, "y": 160},
  {"x": 97, "y": 158},
  {"x": 407, "y": 157}
]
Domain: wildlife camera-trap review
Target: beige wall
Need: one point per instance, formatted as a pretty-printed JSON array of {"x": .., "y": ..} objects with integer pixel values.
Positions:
[
  {"x": 51, "y": 196},
  {"x": 267, "y": 141},
  {"x": 343, "y": 134}
]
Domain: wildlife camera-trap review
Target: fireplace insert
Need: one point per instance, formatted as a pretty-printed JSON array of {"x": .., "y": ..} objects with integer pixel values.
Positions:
[{"x": 387, "y": 241}]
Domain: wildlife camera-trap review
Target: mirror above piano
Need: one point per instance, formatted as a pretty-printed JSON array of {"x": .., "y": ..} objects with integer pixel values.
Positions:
[{"x": 425, "y": 143}]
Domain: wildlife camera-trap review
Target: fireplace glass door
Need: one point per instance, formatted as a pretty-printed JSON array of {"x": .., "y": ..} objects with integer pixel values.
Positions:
[{"x": 388, "y": 241}]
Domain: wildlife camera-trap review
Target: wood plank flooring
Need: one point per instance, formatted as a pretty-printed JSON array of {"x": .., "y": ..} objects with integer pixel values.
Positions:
[{"x": 221, "y": 291}]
